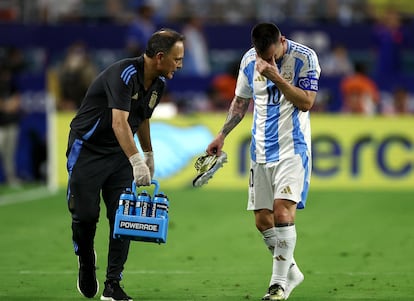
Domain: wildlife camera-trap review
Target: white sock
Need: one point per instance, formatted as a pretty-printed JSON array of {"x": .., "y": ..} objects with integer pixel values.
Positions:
[
  {"x": 283, "y": 254},
  {"x": 270, "y": 239}
]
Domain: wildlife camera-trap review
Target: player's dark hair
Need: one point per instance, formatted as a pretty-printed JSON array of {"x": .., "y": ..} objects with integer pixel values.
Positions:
[
  {"x": 264, "y": 35},
  {"x": 162, "y": 41}
]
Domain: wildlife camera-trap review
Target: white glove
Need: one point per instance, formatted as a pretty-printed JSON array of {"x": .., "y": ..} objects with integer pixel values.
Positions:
[
  {"x": 142, "y": 176},
  {"x": 149, "y": 160}
]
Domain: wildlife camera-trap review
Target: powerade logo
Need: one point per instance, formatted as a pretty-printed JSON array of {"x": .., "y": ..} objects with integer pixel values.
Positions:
[
  {"x": 126, "y": 208},
  {"x": 138, "y": 226}
]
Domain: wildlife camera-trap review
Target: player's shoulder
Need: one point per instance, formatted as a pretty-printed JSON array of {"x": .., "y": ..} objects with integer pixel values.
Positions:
[
  {"x": 122, "y": 63},
  {"x": 298, "y": 49},
  {"x": 124, "y": 68},
  {"x": 248, "y": 57}
]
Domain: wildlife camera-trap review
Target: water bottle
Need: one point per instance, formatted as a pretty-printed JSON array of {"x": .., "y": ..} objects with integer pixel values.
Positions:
[
  {"x": 143, "y": 204},
  {"x": 121, "y": 206},
  {"x": 161, "y": 206},
  {"x": 132, "y": 203},
  {"x": 126, "y": 201}
]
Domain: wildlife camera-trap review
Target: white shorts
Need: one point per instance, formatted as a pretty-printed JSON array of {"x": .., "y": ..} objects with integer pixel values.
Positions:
[{"x": 285, "y": 179}]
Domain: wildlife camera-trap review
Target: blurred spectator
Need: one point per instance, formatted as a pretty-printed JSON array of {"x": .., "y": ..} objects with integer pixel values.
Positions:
[
  {"x": 183, "y": 9},
  {"x": 115, "y": 12},
  {"x": 56, "y": 11},
  {"x": 360, "y": 94},
  {"x": 405, "y": 7},
  {"x": 304, "y": 11},
  {"x": 11, "y": 63},
  {"x": 345, "y": 12},
  {"x": 352, "y": 11},
  {"x": 222, "y": 89},
  {"x": 196, "y": 58},
  {"x": 140, "y": 29},
  {"x": 397, "y": 103},
  {"x": 232, "y": 11},
  {"x": 389, "y": 39},
  {"x": 167, "y": 11},
  {"x": 337, "y": 62},
  {"x": 270, "y": 10},
  {"x": 9, "y": 10},
  {"x": 74, "y": 76}
]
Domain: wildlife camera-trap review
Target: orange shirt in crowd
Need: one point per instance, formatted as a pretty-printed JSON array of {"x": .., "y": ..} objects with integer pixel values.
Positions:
[{"x": 360, "y": 94}]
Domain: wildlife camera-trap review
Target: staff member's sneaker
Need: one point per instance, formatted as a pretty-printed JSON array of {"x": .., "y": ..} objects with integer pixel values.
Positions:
[
  {"x": 114, "y": 292},
  {"x": 87, "y": 283}
]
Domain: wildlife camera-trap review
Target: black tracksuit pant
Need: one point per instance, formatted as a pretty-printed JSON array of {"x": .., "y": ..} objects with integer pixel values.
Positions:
[{"x": 92, "y": 174}]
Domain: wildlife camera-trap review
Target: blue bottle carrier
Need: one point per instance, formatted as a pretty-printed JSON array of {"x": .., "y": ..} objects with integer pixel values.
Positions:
[{"x": 142, "y": 217}]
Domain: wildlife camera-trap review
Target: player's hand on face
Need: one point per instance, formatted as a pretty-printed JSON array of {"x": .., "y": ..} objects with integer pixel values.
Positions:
[
  {"x": 265, "y": 68},
  {"x": 260, "y": 64}
]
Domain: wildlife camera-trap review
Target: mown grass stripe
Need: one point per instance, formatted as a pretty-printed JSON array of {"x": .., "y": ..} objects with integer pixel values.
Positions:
[{"x": 28, "y": 195}]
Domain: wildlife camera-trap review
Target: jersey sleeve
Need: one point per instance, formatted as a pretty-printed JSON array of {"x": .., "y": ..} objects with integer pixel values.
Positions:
[
  {"x": 244, "y": 79},
  {"x": 310, "y": 73},
  {"x": 118, "y": 86}
]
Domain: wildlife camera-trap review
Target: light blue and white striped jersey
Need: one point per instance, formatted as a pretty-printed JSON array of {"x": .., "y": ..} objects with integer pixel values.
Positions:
[{"x": 279, "y": 128}]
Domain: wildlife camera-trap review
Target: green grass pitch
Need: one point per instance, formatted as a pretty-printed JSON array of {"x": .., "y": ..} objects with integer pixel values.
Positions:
[{"x": 351, "y": 246}]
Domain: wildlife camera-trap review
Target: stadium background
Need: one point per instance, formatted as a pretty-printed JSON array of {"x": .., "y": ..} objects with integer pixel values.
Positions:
[
  {"x": 379, "y": 154},
  {"x": 355, "y": 237}
]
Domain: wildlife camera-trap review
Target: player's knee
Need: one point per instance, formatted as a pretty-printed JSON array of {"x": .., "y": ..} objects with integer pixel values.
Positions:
[
  {"x": 262, "y": 226},
  {"x": 284, "y": 211},
  {"x": 264, "y": 220},
  {"x": 283, "y": 217}
]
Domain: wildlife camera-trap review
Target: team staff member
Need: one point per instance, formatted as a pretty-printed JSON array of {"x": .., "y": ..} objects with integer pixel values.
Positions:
[
  {"x": 281, "y": 76},
  {"x": 102, "y": 157}
]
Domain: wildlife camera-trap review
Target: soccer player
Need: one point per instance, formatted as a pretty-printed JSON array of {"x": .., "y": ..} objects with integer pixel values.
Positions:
[
  {"x": 281, "y": 76},
  {"x": 102, "y": 157}
]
